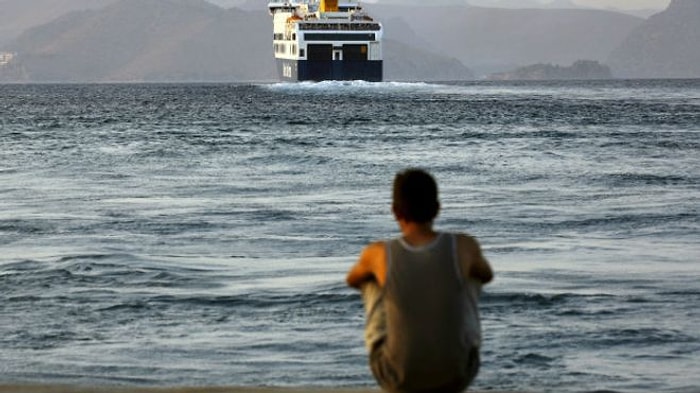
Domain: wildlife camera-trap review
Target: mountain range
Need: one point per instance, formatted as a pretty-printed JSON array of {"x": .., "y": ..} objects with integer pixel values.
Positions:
[
  {"x": 148, "y": 40},
  {"x": 177, "y": 40},
  {"x": 666, "y": 45},
  {"x": 195, "y": 40},
  {"x": 16, "y": 16},
  {"x": 491, "y": 39}
]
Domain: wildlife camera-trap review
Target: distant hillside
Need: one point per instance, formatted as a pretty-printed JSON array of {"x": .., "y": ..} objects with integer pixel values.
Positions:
[
  {"x": 667, "y": 45},
  {"x": 505, "y": 3},
  {"x": 644, "y": 9},
  {"x": 148, "y": 40},
  {"x": 492, "y": 40},
  {"x": 16, "y": 16},
  {"x": 178, "y": 40},
  {"x": 521, "y": 4},
  {"x": 408, "y": 62},
  {"x": 580, "y": 70},
  {"x": 405, "y": 63},
  {"x": 229, "y": 3}
]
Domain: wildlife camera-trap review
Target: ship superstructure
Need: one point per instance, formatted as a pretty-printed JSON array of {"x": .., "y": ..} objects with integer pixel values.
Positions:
[{"x": 320, "y": 40}]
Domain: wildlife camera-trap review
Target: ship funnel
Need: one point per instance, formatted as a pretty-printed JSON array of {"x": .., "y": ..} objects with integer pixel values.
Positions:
[{"x": 328, "y": 6}]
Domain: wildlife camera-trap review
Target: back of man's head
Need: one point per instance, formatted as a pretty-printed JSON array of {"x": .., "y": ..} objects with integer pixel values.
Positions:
[{"x": 415, "y": 196}]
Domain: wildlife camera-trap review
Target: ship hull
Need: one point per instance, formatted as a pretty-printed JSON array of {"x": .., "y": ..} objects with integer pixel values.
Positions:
[{"x": 322, "y": 70}]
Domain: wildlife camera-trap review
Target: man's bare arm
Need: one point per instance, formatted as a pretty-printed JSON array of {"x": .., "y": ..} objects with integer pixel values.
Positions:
[
  {"x": 473, "y": 262},
  {"x": 370, "y": 266}
]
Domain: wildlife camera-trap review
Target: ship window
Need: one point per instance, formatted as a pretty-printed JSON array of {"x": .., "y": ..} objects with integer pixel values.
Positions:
[
  {"x": 339, "y": 37},
  {"x": 320, "y": 52},
  {"x": 301, "y": 53},
  {"x": 294, "y": 36},
  {"x": 355, "y": 52}
]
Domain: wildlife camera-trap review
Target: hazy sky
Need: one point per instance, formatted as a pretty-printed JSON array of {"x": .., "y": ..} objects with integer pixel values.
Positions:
[
  {"x": 620, "y": 4},
  {"x": 624, "y": 4}
]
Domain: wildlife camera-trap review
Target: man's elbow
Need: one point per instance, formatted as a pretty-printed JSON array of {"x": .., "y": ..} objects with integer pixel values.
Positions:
[
  {"x": 483, "y": 273},
  {"x": 486, "y": 273},
  {"x": 358, "y": 280},
  {"x": 353, "y": 281}
]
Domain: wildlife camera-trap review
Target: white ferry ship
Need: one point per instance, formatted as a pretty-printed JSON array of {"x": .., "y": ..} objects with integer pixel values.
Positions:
[{"x": 316, "y": 40}]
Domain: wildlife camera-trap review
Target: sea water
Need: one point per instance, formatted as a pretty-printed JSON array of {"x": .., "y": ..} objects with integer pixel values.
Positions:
[{"x": 200, "y": 234}]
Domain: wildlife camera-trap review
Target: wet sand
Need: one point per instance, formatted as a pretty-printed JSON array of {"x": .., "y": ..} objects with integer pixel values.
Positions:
[{"x": 21, "y": 388}]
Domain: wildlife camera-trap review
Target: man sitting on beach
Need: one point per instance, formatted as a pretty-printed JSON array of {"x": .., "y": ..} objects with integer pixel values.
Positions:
[{"x": 420, "y": 293}]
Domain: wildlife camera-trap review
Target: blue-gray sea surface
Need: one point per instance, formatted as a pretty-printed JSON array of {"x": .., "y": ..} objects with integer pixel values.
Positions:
[{"x": 200, "y": 234}]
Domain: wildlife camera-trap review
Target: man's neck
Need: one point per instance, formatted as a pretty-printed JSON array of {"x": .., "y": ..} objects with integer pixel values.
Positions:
[{"x": 417, "y": 234}]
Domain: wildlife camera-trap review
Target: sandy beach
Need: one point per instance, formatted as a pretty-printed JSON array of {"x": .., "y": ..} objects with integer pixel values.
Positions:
[{"x": 27, "y": 388}]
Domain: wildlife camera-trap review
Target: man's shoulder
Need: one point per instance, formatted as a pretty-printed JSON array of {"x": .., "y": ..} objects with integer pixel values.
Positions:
[
  {"x": 467, "y": 245},
  {"x": 473, "y": 261},
  {"x": 375, "y": 247},
  {"x": 466, "y": 239}
]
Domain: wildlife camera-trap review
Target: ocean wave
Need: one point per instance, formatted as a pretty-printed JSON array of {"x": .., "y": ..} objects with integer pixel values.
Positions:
[
  {"x": 647, "y": 179},
  {"x": 81, "y": 274},
  {"x": 262, "y": 301},
  {"x": 131, "y": 281},
  {"x": 623, "y": 337},
  {"x": 345, "y": 87},
  {"x": 8, "y": 171},
  {"x": 178, "y": 225},
  {"x": 518, "y": 300},
  {"x": 27, "y": 226}
]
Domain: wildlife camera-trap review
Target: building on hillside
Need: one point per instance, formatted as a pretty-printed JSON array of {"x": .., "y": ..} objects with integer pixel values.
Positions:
[{"x": 6, "y": 58}]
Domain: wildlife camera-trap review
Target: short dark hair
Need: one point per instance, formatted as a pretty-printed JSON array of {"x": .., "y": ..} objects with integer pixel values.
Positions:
[{"x": 415, "y": 196}]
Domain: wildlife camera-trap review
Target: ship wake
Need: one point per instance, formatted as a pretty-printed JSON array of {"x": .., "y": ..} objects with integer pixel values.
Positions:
[{"x": 344, "y": 87}]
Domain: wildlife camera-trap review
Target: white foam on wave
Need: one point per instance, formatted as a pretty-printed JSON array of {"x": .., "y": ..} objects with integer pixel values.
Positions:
[
  {"x": 470, "y": 90},
  {"x": 466, "y": 90},
  {"x": 344, "y": 87},
  {"x": 121, "y": 150}
]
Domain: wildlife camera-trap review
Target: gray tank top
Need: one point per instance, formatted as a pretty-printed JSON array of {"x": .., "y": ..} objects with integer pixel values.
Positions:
[{"x": 431, "y": 311}]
